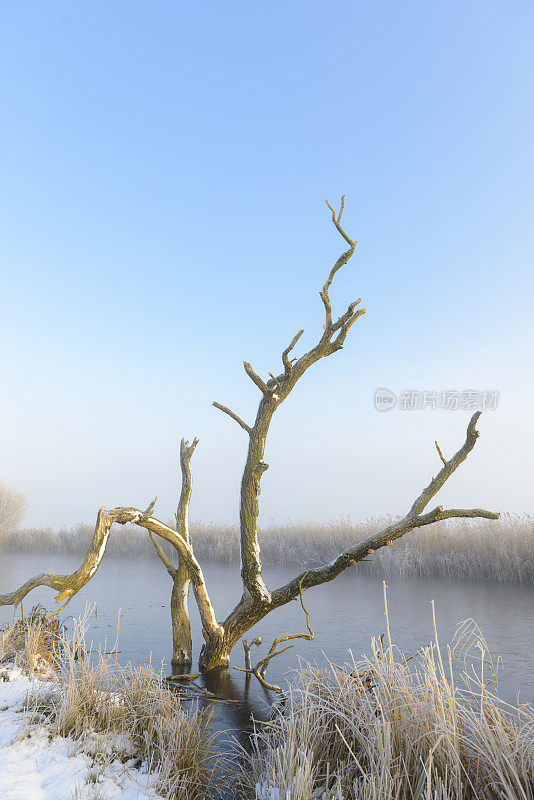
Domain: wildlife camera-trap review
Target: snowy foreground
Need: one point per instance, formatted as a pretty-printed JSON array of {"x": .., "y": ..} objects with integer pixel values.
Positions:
[{"x": 35, "y": 766}]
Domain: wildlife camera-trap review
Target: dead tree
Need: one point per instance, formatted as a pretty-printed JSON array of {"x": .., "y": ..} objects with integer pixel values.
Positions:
[{"x": 257, "y": 599}]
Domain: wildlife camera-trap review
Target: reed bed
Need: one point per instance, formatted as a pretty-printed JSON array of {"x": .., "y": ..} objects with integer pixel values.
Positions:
[
  {"x": 114, "y": 712},
  {"x": 395, "y": 728},
  {"x": 492, "y": 550}
]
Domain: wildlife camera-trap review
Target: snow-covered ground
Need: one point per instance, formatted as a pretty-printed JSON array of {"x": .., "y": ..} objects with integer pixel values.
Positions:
[{"x": 36, "y": 766}]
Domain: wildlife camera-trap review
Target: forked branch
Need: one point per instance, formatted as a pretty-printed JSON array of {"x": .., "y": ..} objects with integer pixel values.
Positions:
[
  {"x": 169, "y": 566},
  {"x": 247, "y": 648},
  {"x": 413, "y": 519},
  {"x": 260, "y": 669},
  {"x": 210, "y": 625},
  {"x": 448, "y": 467},
  {"x": 440, "y": 454},
  {"x": 262, "y": 386},
  {"x": 343, "y": 258},
  {"x": 285, "y": 355}
]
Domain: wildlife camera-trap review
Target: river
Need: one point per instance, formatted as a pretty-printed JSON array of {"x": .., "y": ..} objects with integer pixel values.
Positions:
[{"x": 345, "y": 615}]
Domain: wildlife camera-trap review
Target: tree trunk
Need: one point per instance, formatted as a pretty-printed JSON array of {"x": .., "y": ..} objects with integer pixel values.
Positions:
[
  {"x": 215, "y": 653},
  {"x": 181, "y": 582},
  {"x": 182, "y": 648},
  {"x": 219, "y": 644}
]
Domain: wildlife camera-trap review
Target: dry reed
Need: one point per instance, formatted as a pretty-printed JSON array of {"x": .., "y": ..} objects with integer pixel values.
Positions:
[
  {"x": 500, "y": 550},
  {"x": 390, "y": 727}
]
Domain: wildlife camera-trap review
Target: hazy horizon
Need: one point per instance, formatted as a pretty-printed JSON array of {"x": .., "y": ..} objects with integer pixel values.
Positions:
[{"x": 164, "y": 176}]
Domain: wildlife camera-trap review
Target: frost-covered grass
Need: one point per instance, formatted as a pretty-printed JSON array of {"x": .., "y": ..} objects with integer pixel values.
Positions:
[
  {"x": 395, "y": 728},
  {"x": 495, "y": 550},
  {"x": 78, "y": 725}
]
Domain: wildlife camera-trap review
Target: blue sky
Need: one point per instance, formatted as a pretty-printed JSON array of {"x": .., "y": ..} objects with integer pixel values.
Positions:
[{"x": 164, "y": 169}]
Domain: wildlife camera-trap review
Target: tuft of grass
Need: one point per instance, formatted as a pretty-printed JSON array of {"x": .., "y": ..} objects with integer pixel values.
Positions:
[
  {"x": 33, "y": 643},
  {"x": 391, "y": 727},
  {"x": 493, "y": 550}
]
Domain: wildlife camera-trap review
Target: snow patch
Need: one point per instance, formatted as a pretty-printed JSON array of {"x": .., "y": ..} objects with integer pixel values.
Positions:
[{"x": 36, "y": 766}]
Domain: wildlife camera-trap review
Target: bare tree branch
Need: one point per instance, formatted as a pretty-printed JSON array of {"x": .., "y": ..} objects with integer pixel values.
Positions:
[
  {"x": 169, "y": 566},
  {"x": 439, "y": 514},
  {"x": 233, "y": 415},
  {"x": 182, "y": 645},
  {"x": 207, "y": 614},
  {"x": 285, "y": 355},
  {"x": 262, "y": 386},
  {"x": 338, "y": 342},
  {"x": 181, "y": 626},
  {"x": 413, "y": 519},
  {"x": 248, "y": 613},
  {"x": 69, "y": 585},
  {"x": 247, "y": 648},
  {"x": 288, "y": 637},
  {"x": 260, "y": 669},
  {"x": 440, "y": 454},
  {"x": 344, "y": 257},
  {"x": 338, "y": 220},
  {"x": 151, "y": 507},
  {"x": 446, "y": 471},
  {"x": 182, "y": 512},
  {"x": 344, "y": 318}
]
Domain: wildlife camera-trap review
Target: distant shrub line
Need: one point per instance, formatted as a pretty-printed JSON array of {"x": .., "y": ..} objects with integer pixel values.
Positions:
[{"x": 501, "y": 550}]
